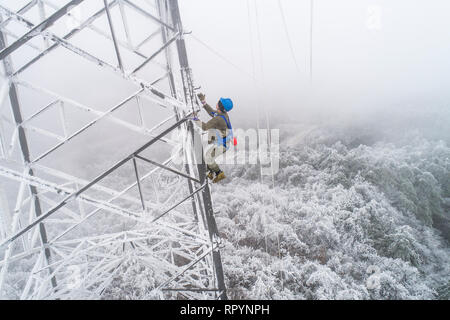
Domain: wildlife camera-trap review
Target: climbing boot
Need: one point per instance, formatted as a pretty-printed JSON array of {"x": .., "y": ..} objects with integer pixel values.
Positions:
[
  {"x": 220, "y": 176},
  {"x": 210, "y": 175}
]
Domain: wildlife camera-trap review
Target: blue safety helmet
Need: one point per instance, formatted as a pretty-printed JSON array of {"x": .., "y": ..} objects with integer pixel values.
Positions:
[{"x": 227, "y": 104}]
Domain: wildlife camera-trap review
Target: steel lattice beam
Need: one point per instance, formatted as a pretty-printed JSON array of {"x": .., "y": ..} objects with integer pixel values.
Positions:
[
  {"x": 178, "y": 237},
  {"x": 17, "y": 114},
  {"x": 44, "y": 25}
]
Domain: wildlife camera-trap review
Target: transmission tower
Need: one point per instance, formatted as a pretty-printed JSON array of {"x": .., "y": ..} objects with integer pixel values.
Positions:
[{"x": 100, "y": 167}]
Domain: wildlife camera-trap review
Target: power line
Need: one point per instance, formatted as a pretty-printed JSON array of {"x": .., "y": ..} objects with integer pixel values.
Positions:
[
  {"x": 255, "y": 84},
  {"x": 259, "y": 42},
  {"x": 288, "y": 36},
  {"x": 222, "y": 57},
  {"x": 263, "y": 84},
  {"x": 251, "y": 38}
]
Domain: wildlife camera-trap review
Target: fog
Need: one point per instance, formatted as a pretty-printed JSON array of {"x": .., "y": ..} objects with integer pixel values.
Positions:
[
  {"x": 368, "y": 56},
  {"x": 361, "y": 100},
  {"x": 377, "y": 64}
]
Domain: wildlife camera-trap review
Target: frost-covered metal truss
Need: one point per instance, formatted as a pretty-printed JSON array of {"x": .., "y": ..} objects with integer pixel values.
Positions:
[{"x": 70, "y": 228}]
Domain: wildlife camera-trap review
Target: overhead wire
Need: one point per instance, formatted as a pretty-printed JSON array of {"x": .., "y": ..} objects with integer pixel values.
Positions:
[
  {"x": 251, "y": 39},
  {"x": 291, "y": 48},
  {"x": 263, "y": 87},
  {"x": 212, "y": 50},
  {"x": 261, "y": 65},
  {"x": 262, "y": 82},
  {"x": 228, "y": 61},
  {"x": 255, "y": 85}
]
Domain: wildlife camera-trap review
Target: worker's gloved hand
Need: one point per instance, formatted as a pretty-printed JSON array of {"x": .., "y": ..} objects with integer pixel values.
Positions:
[{"x": 201, "y": 96}]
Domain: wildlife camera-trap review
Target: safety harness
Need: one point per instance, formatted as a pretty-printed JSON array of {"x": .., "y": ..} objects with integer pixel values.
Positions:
[{"x": 222, "y": 141}]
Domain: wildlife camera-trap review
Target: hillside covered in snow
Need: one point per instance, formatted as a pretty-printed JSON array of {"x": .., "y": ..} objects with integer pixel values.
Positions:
[
  {"x": 347, "y": 219},
  {"x": 352, "y": 216}
]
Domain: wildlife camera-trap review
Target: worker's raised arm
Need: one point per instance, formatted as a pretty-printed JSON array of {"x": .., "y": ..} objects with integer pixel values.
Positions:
[
  {"x": 206, "y": 106},
  {"x": 208, "y": 109}
]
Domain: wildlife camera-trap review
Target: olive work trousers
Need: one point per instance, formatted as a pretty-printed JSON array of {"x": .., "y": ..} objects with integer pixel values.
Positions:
[{"x": 211, "y": 155}]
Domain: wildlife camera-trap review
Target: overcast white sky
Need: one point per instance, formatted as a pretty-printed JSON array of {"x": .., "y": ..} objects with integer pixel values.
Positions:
[
  {"x": 366, "y": 53},
  {"x": 369, "y": 56}
]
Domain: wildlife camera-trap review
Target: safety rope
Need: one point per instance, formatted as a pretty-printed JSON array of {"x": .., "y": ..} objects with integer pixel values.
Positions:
[
  {"x": 255, "y": 85},
  {"x": 268, "y": 134},
  {"x": 263, "y": 84},
  {"x": 258, "y": 83}
]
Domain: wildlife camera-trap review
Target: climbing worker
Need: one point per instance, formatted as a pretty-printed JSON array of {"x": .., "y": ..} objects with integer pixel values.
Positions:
[{"x": 220, "y": 134}]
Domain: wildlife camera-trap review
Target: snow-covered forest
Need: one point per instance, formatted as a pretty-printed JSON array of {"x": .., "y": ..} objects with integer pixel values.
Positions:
[
  {"x": 339, "y": 210},
  {"x": 355, "y": 214}
]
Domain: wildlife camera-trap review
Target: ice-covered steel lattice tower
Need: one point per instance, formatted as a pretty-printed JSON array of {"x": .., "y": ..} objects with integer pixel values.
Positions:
[{"x": 95, "y": 97}]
